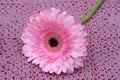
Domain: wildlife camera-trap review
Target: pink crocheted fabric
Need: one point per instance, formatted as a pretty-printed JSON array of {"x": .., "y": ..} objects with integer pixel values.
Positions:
[{"x": 103, "y": 59}]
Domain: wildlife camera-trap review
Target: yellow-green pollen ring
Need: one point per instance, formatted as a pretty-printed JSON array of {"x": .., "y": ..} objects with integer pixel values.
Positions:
[{"x": 91, "y": 13}]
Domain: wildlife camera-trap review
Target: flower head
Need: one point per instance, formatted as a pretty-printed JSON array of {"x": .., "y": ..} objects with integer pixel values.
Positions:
[{"x": 54, "y": 41}]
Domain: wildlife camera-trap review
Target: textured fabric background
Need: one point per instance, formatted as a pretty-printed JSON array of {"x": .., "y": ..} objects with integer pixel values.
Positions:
[{"x": 103, "y": 60}]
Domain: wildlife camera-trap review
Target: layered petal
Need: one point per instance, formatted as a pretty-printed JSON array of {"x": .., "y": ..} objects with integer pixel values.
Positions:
[{"x": 54, "y": 41}]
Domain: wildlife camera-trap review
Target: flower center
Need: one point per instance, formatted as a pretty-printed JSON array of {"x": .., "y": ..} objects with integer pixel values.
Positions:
[{"x": 53, "y": 42}]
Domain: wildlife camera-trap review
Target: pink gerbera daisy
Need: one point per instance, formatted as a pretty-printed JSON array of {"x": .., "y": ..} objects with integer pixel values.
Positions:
[{"x": 54, "y": 41}]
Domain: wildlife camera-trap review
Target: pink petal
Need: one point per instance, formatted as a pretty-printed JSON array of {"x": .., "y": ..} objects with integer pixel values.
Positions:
[{"x": 74, "y": 54}]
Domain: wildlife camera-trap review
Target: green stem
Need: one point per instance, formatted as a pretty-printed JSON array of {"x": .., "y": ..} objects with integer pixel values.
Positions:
[{"x": 91, "y": 13}]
